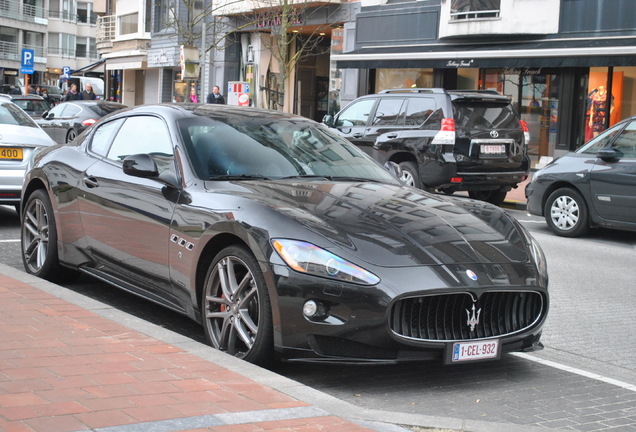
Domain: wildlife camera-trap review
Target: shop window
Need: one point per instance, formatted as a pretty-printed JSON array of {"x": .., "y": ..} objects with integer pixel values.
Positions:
[{"x": 471, "y": 9}]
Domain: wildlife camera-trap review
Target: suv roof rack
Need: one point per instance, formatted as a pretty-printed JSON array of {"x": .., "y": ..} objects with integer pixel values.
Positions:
[{"x": 414, "y": 90}]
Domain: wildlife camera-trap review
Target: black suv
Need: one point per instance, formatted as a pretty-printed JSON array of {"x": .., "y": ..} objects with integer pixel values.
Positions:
[{"x": 445, "y": 140}]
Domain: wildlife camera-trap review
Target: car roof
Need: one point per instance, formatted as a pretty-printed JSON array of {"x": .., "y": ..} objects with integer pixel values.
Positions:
[
  {"x": 188, "y": 109},
  {"x": 27, "y": 96}
]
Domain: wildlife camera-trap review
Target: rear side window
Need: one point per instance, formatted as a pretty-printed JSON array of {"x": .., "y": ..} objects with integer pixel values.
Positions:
[
  {"x": 481, "y": 115},
  {"x": 389, "y": 112},
  {"x": 419, "y": 110}
]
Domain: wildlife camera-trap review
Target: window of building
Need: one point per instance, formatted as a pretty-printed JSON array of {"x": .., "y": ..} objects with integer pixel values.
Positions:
[
  {"x": 63, "y": 44},
  {"x": 85, "y": 13},
  {"x": 471, "y": 9},
  {"x": 129, "y": 24},
  {"x": 403, "y": 78},
  {"x": 164, "y": 14}
]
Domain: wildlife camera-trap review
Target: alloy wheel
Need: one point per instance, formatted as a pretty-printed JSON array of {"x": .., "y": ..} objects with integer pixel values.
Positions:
[
  {"x": 35, "y": 235},
  {"x": 232, "y": 306}
]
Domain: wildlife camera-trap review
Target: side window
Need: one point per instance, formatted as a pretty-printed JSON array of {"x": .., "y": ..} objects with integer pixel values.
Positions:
[
  {"x": 103, "y": 136},
  {"x": 389, "y": 112},
  {"x": 626, "y": 141},
  {"x": 599, "y": 142},
  {"x": 57, "y": 110},
  {"x": 71, "y": 110},
  {"x": 419, "y": 110},
  {"x": 143, "y": 134},
  {"x": 356, "y": 114}
]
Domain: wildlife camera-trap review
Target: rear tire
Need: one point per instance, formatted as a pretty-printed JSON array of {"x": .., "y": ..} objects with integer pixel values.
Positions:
[
  {"x": 71, "y": 135},
  {"x": 39, "y": 240},
  {"x": 237, "y": 315},
  {"x": 409, "y": 175},
  {"x": 566, "y": 213}
]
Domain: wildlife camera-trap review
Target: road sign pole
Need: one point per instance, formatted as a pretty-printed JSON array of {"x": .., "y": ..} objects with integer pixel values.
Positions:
[{"x": 26, "y": 84}]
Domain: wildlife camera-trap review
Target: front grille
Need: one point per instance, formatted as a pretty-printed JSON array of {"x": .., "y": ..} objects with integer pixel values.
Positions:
[{"x": 448, "y": 317}]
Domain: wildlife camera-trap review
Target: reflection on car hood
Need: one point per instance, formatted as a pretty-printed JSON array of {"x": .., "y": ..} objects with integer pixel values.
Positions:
[
  {"x": 23, "y": 136},
  {"x": 396, "y": 226}
]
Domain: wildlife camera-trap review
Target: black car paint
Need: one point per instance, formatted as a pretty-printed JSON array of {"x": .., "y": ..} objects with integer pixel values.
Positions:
[
  {"x": 606, "y": 181},
  {"x": 156, "y": 238}
]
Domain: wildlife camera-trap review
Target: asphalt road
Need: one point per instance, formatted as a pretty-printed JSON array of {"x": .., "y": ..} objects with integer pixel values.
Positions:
[{"x": 585, "y": 379}]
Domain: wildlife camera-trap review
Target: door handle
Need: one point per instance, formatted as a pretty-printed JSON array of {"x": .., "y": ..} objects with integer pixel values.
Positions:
[
  {"x": 357, "y": 135},
  {"x": 392, "y": 135},
  {"x": 91, "y": 182}
]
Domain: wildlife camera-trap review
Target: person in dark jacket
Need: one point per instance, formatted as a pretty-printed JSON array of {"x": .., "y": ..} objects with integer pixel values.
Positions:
[
  {"x": 215, "y": 97},
  {"x": 72, "y": 94},
  {"x": 88, "y": 93}
]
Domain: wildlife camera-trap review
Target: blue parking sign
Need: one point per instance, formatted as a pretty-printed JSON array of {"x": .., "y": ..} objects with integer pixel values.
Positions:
[{"x": 28, "y": 61}]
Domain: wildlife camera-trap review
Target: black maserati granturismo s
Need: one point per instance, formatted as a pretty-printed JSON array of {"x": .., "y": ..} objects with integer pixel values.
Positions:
[{"x": 282, "y": 239}]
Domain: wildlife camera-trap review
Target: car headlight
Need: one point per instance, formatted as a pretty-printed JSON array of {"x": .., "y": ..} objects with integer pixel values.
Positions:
[{"x": 310, "y": 259}]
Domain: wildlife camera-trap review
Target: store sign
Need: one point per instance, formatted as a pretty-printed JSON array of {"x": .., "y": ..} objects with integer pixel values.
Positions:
[
  {"x": 522, "y": 71},
  {"x": 459, "y": 63},
  {"x": 273, "y": 19}
]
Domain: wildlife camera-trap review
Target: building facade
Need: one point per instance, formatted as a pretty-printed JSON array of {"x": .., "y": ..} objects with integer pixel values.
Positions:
[
  {"x": 61, "y": 34},
  {"x": 568, "y": 65}
]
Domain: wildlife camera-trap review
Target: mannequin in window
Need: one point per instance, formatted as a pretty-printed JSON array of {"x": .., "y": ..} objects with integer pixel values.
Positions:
[{"x": 598, "y": 106}]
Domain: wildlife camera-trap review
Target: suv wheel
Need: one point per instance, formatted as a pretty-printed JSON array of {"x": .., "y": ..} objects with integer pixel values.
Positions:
[
  {"x": 409, "y": 174},
  {"x": 495, "y": 197}
]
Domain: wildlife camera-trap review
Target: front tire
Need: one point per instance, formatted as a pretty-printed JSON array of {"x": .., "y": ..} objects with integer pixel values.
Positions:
[
  {"x": 409, "y": 175},
  {"x": 566, "y": 213},
  {"x": 39, "y": 239},
  {"x": 237, "y": 315}
]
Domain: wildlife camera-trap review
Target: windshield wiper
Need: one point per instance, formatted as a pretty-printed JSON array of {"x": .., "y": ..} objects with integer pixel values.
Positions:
[
  {"x": 306, "y": 176},
  {"x": 240, "y": 177}
]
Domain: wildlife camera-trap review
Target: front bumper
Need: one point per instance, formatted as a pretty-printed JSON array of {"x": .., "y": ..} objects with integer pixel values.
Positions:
[{"x": 359, "y": 323}]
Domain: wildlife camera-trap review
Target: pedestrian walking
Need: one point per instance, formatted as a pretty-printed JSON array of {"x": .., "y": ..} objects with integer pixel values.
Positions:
[
  {"x": 215, "y": 97},
  {"x": 88, "y": 93},
  {"x": 72, "y": 94}
]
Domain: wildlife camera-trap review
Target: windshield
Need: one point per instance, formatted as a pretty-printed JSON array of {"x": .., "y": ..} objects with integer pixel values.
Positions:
[
  {"x": 273, "y": 148},
  {"x": 10, "y": 114}
]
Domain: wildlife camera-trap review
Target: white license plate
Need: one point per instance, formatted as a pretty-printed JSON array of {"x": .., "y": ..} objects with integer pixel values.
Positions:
[
  {"x": 493, "y": 149},
  {"x": 476, "y": 350}
]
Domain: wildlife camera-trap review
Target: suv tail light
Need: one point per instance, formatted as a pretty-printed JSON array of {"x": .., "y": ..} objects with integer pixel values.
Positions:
[
  {"x": 89, "y": 122},
  {"x": 526, "y": 131},
  {"x": 446, "y": 135}
]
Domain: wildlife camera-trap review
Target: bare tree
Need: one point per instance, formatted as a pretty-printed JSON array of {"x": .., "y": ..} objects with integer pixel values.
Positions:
[{"x": 290, "y": 40}]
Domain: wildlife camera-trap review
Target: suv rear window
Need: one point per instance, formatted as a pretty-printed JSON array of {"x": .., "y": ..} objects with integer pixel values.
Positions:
[{"x": 482, "y": 115}]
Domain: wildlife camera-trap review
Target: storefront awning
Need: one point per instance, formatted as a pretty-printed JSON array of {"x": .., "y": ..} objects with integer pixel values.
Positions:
[
  {"x": 494, "y": 56},
  {"x": 89, "y": 67}
]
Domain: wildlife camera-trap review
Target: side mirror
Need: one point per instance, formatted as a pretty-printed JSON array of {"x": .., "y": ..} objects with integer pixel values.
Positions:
[
  {"x": 328, "y": 120},
  {"x": 45, "y": 114},
  {"x": 140, "y": 165},
  {"x": 609, "y": 154},
  {"x": 394, "y": 169}
]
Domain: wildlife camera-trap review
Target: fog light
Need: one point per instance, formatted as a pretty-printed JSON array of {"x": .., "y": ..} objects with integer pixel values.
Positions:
[{"x": 313, "y": 309}]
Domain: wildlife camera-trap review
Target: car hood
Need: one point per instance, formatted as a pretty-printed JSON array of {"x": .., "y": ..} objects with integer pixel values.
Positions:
[
  {"x": 388, "y": 225},
  {"x": 24, "y": 136}
]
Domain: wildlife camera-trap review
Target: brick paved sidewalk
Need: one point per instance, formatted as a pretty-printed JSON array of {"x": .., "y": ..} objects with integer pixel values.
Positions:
[{"x": 65, "y": 368}]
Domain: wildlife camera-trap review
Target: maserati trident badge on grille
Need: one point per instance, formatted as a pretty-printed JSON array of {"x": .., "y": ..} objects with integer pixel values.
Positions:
[{"x": 473, "y": 319}]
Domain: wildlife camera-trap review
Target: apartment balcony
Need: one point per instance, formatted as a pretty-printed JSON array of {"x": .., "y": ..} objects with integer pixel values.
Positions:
[
  {"x": 17, "y": 10},
  {"x": 11, "y": 51},
  {"x": 105, "y": 33},
  {"x": 534, "y": 17}
]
